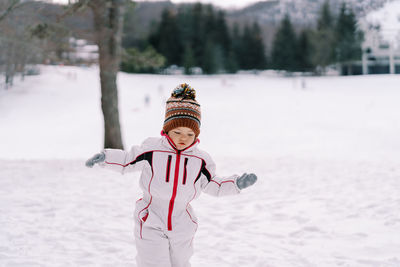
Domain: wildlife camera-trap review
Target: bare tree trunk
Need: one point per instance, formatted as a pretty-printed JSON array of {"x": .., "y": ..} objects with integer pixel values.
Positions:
[
  {"x": 22, "y": 61},
  {"x": 10, "y": 65},
  {"x": 108, "y": 20}
]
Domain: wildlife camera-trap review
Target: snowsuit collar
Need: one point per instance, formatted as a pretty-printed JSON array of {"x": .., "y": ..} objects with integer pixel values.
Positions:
[{"x": 167, "y": 141}]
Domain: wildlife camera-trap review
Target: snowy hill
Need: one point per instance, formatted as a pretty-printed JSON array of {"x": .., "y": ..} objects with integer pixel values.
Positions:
[
  {"x": 301, "y": 11},
  {"x": 326, "y": 151},
  {"x": 387, "y": 19}
]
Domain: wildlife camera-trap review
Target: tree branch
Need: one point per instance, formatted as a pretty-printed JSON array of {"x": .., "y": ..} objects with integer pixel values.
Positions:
[
  {"x": 14, "y": 5},
  {"x": 73, "y": 8}
]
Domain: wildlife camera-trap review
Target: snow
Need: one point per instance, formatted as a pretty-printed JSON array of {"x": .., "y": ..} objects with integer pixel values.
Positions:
[
  {"x": 327, "y": 157},
  {"x": 388, "y": 17}
]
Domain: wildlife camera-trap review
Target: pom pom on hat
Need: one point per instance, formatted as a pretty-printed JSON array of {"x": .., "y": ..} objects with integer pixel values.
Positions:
[{"x": 182, "y": 110}]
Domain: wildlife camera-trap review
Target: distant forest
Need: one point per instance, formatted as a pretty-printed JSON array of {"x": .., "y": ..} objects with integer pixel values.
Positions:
[{"x": 197, "y": 36}]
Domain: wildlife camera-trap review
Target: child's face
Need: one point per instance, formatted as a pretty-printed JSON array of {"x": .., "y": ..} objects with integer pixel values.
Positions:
[{"x": 182, "y": 137}]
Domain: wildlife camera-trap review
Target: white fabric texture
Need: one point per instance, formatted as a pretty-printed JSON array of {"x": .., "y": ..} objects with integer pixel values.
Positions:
[{"x": 165, "y": 223}]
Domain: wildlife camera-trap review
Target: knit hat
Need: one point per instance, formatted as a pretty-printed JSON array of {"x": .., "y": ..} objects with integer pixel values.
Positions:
[{"x": 182, "y": 110}]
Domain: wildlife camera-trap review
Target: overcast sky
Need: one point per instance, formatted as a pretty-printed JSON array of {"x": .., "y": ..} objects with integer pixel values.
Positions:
[{"x": 221, "y": 3}]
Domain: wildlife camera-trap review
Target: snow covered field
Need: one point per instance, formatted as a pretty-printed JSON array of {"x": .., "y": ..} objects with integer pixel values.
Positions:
[{"x": 327, "y": 157}]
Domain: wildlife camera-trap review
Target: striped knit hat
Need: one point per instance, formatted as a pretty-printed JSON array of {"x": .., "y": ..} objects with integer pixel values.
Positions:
[{"x": 182, "y": 110}]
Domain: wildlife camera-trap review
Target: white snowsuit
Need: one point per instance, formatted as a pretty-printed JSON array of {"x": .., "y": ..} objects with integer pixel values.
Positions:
[{"x": 165, "y": 223}]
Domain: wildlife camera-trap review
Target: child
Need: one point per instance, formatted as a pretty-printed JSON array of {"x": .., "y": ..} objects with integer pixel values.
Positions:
[{"x": 174, "y": 172}]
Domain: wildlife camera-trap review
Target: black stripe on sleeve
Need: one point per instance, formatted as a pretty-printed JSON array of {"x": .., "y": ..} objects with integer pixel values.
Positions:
[
  {"x": 204, "y": 171},
  {"x": 185, "y": 171},
  {"x": 168, "y": 169},
  {"x": 145, "y": 156}
]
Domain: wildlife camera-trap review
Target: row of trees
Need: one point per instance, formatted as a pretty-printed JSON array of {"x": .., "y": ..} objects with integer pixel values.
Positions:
[
  {"x": 198, "y": 36},
  {"x": 335, "y": 40}
]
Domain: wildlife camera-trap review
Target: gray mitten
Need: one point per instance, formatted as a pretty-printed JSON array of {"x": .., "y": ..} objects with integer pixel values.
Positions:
[
  {"x": 98, "y": 158},
  {"x": 246, "y": 180}
]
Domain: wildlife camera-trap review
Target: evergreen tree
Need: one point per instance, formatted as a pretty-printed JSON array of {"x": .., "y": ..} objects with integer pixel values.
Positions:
[
  {"x": 167, "y": 40},
  {"x": 210, "y": 65},
  {"x": 249, "y": 47},
  {"x": 245, "y": 47},
  {"x": 185, "y": 23},
  {"x": 210, "y": 22},
  {"x": 303, "y": 52},
  {"x": 324, "y": 39},
  {"x": 231, "y": 63},
  {"x": 219, "y": 59},
  {"x": 349, "y": 38},
  {"x": 199, "y": 35},
  {"x": 221, "y": 32},
  {"x": 284, "y": 47},
  {"x": 257, "y": 52},
  {"x": 326, "y": 19},
  {"x": 189, "y": 60},
  {"x": 136, "y": 61},
  {"x": 223, "y": 39},
  {"x": 235, "y": 56},
  {"x": 129, "y": 37}
]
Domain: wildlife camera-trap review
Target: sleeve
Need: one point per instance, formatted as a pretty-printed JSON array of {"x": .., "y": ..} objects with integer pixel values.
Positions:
[
  {"x": 216, "y": 186},
  {"x": 126, "y": 161}
]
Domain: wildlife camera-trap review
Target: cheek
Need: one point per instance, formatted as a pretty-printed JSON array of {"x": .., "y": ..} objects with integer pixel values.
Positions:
[{"x": 173, "y": 137}]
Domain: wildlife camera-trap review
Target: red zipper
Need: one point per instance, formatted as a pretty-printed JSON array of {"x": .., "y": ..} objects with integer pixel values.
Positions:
[
  {"x": 176, "y": 178},
  {"x": 172, "y": 201}
]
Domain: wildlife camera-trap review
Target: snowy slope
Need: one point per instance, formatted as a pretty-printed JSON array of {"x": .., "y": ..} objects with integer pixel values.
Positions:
[
  {"x": 327, "y": 157},
  {"x": 388, "y": 18},
  {"x": 304, "y": 12}
]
